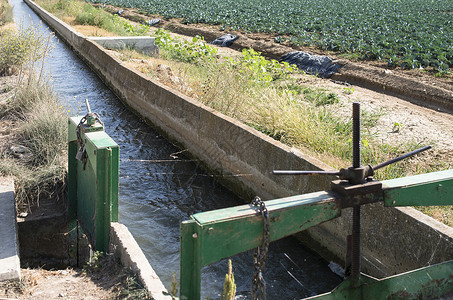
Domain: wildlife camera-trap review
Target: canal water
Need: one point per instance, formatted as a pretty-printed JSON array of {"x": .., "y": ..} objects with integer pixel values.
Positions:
[{"x": 160, "y": 187}]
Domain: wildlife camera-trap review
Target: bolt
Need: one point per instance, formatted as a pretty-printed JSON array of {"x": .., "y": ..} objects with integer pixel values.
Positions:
[{"x": 195, "y": 235}]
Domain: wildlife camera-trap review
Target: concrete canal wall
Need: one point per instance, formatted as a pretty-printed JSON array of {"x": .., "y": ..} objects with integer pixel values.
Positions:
[{"x": 394, "y": 240}]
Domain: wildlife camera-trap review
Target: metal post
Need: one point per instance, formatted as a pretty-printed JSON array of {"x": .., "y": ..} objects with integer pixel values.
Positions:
[{"x": 190, "y": 277}]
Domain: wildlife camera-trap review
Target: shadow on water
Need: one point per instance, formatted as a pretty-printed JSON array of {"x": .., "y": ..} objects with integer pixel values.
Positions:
[{"x": 160, "y": 187}]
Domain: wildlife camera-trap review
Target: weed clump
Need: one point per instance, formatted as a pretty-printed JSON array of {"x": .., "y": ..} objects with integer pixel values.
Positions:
[
  {"x": 6, "y": 12},
  {"x": 128, "y": 287},
  {"x": 42, "y": 133},
  {"x": 35, "y": 153},
  {"x": 19, "y": 47}
]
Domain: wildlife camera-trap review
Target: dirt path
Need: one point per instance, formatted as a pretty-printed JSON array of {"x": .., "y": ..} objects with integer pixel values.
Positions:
[
  {"x": 62, "y": 284},
  {"x": 105, "y": 279}
]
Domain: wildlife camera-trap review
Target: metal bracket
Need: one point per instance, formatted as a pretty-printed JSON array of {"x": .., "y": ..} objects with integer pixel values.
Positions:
[{"x": 351, "y": 195}]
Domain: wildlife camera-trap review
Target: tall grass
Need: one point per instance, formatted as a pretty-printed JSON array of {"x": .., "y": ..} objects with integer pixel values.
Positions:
[
  {"x": 42, "y": 132},
  {"x": 40, "y": 120},
  {"x": 6, "y": 12}
]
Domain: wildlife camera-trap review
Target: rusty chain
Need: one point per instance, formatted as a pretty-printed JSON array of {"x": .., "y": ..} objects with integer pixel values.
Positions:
[
  {"x": 81, "y": 153},
  {"x": 260, "y": 254}
]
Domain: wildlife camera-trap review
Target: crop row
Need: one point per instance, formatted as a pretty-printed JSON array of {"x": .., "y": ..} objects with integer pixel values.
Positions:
[{"x": 406, "y": 33}]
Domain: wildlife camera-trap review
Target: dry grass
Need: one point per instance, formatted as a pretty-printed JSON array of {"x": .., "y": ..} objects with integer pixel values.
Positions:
[
  {"x": 6, "y": 12},
  {"x": 41, "y": 131},
  {"x": 35, "y": 123}
]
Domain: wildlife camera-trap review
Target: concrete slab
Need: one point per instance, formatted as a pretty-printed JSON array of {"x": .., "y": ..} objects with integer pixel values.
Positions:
[
  {"x": 9, "y": 248},
  {"x": 143, "y": 44},
  {"x": 122, "y": 243}
]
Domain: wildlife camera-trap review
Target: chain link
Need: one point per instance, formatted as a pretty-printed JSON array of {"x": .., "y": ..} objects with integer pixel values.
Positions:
[
  {"x": 260, "y": 253},
  {"x": 82, "y": 154}
]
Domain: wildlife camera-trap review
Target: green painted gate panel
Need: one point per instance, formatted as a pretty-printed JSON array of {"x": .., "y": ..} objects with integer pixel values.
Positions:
[
  {"x": 93, "y": 190},
  {"x": 214, "y": 235}
]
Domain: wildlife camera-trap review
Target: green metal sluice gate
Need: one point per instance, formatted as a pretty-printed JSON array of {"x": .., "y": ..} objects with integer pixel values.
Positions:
[
  {"x": 93, "y": 172},
  {"x": 211, "y": 236}
]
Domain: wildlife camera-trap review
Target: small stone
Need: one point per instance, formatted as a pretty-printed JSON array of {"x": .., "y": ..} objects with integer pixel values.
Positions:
[
  {"x": 61, "y": 295},
  {"x": 20, "y": 152},
  {"x": 23, "y": 215},
  {"x": 164, "y": 70},
  {"x": 388, "y": 72}
]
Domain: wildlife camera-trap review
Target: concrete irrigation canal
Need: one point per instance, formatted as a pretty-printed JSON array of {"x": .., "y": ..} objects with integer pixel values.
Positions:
[
  {"x": 160, "y": 186},
  {"x": 186, "y": 222}
]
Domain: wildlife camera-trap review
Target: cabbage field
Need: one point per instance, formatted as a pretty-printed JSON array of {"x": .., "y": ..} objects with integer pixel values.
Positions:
[{"x": 406, "y": 33}]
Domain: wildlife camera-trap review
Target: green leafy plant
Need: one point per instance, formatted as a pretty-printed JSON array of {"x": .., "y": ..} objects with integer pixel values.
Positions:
[
  {"x": 195, "y": 50},
  {"x": 265, "y": 70},
  {"x": 348, "y": 91},
  {"x": 229, "y": 286},
  {"x": 95, "y": 262},
  {"x": 397, "y": 127},
  {"x": 174, "y": 287}
]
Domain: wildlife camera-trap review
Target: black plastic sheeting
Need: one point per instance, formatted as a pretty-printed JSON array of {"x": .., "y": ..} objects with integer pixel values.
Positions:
[
  {"x": 225, "y": 40},
  {"x": 152, "y": 22},
  {"x": 319, "y": 65}
]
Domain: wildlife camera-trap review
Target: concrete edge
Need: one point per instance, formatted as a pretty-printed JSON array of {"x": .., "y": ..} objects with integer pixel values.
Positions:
[
  {"x": 144, "y": 44},
  {"x": 123, "y": 243},
  {"x": 428, "y": 221},
  {"x": 9, "y": 242}
]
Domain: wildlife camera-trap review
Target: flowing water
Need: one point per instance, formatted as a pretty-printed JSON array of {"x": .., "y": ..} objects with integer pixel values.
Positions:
[{"x": 160, "y": 187}]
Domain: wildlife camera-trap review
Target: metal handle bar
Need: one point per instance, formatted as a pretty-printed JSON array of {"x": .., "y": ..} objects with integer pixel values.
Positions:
[{"x": 338, "y": 173}]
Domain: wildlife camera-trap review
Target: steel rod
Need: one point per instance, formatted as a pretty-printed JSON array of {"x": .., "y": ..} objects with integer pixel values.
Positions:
[
  {"x": 291, "y": 172},
  {"x": 88, "y": 105},
  {"x": 356, "y": 255},
  {"x": 356, "y": 163},
  {"x": 356, "y": 135},
  {"x": 401, "y": 157}
]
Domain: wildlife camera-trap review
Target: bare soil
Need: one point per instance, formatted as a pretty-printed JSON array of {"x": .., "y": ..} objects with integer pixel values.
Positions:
[{"x": 105, "y": 280}]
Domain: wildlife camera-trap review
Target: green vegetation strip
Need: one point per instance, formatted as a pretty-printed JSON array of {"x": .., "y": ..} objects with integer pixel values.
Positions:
[
  {"x": 406, "y": 33},
  {"x": 86, "y": 14}
]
